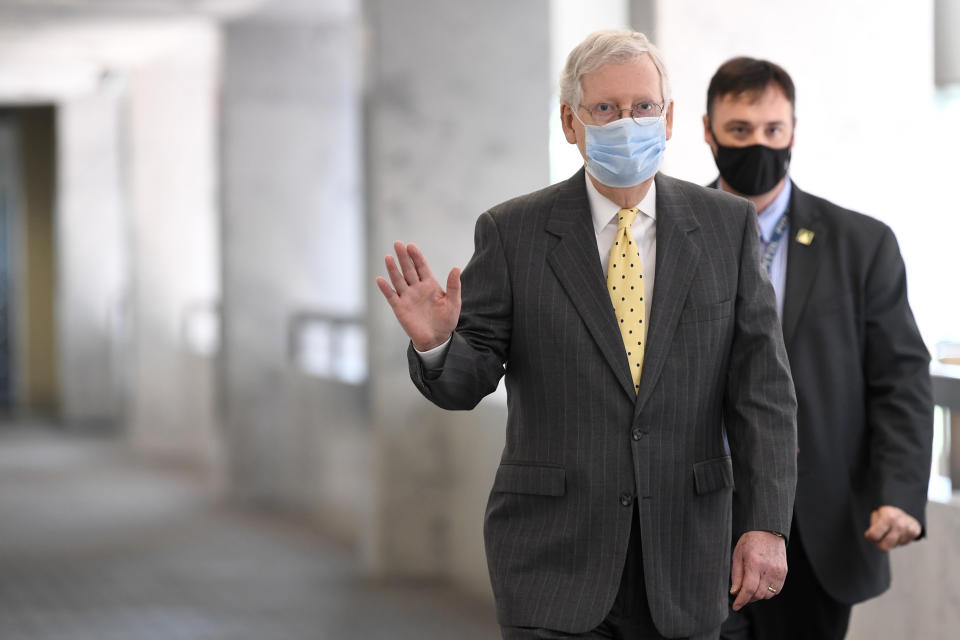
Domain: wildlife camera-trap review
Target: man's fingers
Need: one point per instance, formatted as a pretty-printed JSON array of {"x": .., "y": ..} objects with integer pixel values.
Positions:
[
  {"x": 406, "y": 263},
  {"x": 770, "y": 585},
  {"x": 419, "y": 262},
  {"x": 888, "y": 535},
  {"x": 748, "y": 590},
  {"x": 891, "y": 527},
  {"x": 736, "y": 572},
  {"x": 879, "y": 527},
  {"x": 738, "y": 575},
  {"x": 387, "y": 291},
  {"x": 453, "y": 286},
  {"x": 399, "y": 283},
  {"x": 890, "y": 540},
  {"x": 875, "y": 533},
  {"x": 913, "y": 531}
]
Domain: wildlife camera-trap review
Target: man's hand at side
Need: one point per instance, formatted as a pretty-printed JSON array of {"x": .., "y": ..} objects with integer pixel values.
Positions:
[
  {"x": 425, "y": 311},
  {"x": 759, "y": 567},
  {"x": 891, "y": 527}
]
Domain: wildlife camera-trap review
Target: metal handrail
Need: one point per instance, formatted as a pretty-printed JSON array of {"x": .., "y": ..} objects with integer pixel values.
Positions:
[
  {"x": 946, "y": 385},
  {"x": 299, "y": 321},
  {"x": 946, "y": 394}
]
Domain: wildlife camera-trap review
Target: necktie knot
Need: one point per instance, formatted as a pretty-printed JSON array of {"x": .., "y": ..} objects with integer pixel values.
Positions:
[{"x": 625, "y": 218}]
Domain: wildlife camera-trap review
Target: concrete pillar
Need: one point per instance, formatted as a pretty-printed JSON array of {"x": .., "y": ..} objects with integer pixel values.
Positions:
[
  {"x": 92, "y": 259},
  {"x": 946, "y": 48},
  {"x": 643, "y": 17},
  {"x": 171, "y": 135},
  {"x": 293, "y": 257},
  {"x": 458, "y": 107}
]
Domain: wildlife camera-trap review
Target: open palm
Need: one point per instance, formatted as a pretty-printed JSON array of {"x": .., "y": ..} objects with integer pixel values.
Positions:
[{"x": 425, "y": 311}]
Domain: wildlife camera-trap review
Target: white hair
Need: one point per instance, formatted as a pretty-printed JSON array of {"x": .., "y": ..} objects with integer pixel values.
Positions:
[{"x": 603, "y": 47}]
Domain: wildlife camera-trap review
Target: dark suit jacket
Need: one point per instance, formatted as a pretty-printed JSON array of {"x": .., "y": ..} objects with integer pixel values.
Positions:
[
  {"x": 862, "y": 379},
  {"x": 582, "y": 447}
]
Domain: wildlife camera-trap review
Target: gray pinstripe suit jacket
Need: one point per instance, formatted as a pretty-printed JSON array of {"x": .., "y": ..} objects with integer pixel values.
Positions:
[{"x": 581, "y": 447}]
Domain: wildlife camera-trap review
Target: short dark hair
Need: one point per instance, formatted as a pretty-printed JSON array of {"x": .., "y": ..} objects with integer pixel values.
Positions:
[{"x": 745, "y": 75}]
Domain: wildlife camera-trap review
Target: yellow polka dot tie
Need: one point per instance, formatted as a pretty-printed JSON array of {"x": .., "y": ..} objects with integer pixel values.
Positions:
[{"x": 625, "y": 284}]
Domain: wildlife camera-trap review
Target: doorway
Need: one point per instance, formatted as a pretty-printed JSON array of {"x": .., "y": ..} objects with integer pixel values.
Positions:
[{"x": 28, "y": 371}]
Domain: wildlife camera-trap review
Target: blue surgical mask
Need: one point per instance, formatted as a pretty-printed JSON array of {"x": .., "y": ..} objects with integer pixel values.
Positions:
[{"x": 625, "y": 152}]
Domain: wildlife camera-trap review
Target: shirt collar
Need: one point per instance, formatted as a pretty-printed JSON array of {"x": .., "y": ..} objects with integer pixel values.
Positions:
[
  {"x": 770, "y": 216},
  {"x": 604, "y": 210}
]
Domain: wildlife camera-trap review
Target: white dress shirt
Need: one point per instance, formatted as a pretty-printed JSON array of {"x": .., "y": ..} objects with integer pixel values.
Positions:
[
  {"x": 766, "y": 222},
  {"x": 604, "y": 215}
]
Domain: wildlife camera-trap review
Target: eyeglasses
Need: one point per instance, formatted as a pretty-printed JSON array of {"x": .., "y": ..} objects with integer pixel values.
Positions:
[{"x": 605, "y": 113}]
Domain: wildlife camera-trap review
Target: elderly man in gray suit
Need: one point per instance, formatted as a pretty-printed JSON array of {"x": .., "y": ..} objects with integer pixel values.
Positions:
[{"x": 633, "y": 411}]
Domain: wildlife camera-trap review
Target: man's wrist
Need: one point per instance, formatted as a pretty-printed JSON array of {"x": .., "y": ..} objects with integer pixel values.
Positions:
[
  {"x": 430, "y": 346},
  {"x": 433, "y": 358}
]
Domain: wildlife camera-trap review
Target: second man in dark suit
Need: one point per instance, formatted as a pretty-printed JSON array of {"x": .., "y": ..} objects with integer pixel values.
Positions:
[{"x": 859, "y": 365}]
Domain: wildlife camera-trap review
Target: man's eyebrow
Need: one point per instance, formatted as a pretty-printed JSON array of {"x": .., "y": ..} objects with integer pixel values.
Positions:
[
  {"x": 611, "y": 100},
  {"x": 750, "y": 123}
]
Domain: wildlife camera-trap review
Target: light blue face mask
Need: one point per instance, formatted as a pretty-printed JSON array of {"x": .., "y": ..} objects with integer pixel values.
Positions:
[{"x": 625, "y": 152}]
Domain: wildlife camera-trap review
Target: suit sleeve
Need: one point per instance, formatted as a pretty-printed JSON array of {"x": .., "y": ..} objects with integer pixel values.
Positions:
[
  {"x": 898, "y": 388},
  {"x": 478, "y": 349},
  {"x": 760, "y": 403}
]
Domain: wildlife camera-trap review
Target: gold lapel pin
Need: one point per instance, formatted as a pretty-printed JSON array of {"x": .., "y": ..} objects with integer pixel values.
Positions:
[{"x": 805, "y": 236}]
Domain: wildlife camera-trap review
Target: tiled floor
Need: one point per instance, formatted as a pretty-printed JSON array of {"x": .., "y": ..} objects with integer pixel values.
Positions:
[{"x": 95, "y": 545}]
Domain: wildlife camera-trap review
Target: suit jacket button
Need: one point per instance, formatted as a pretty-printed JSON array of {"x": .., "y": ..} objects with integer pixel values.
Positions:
[
  {"x": 637, "y": 434},
  {"x": 626, "y": 499}
]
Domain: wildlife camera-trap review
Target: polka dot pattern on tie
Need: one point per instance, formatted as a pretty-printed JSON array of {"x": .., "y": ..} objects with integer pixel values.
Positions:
[{"x": 626, "y": 272}]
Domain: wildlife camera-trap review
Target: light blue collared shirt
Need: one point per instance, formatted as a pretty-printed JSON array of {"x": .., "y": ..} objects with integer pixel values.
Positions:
[{"x": 767, "y": 220}]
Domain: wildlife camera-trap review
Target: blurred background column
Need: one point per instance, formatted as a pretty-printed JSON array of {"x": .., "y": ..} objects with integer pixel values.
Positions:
[
  {"x": 172, "y": 236},
  {"x": 458, "y": 100},
  {"x": 296, "y": 423},
  {"x": 91, "y": 254}
]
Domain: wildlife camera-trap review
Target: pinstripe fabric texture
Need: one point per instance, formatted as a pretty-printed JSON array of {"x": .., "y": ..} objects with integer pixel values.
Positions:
[{"x": 581, "y": 446}]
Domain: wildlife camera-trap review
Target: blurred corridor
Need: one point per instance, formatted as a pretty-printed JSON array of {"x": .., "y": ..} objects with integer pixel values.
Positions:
[{"x": 96, "y": 544}]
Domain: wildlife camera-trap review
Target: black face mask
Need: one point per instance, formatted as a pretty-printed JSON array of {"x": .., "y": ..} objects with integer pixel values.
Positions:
[{"x": 752, "y": 170}]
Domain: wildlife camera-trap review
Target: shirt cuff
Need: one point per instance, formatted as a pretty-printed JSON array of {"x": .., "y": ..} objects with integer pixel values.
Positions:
[{"x": 434, "y": 358}]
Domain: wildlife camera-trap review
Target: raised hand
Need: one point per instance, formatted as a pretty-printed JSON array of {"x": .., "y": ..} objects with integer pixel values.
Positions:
[{"x": 425, "y": 311}]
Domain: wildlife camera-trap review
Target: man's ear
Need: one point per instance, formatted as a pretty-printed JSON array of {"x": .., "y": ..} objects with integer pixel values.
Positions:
[
  {"x": 707, "y": 134},
  {"x": 668, "y": 120},
  {"x": 566, "y": 121}
]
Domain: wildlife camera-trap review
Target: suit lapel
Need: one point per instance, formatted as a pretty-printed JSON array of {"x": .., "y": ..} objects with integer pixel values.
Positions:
[
  {"x": 802, "y": 261},
  {"x": 576, "y": 263},
  {"x": 677, "y": 258}
]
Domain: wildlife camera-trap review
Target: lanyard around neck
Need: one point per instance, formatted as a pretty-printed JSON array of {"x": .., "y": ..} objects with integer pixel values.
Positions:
[{"x": 770, "y": 248}]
